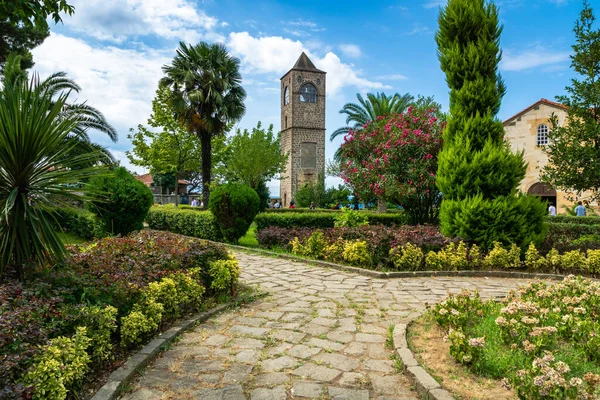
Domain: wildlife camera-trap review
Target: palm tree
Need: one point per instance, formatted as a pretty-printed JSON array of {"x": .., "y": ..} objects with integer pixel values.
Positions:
[
  {"x": 207, "y": 95},
  {"x": 87, "y": 116},
  {"x": 376, "y": 105},
  {"x": 38, "y": 168}
]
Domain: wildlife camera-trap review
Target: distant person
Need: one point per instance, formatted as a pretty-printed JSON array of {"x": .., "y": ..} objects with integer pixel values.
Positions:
[
  {"x": 292, "y": 204},
  {"x": 160, "y": 203},
  {"x": 552, "y": 210},
  {"x": 276, "y": 205},
  {"x": 312, "y": 205},
  {"x": 194, "y": 202},
  {"x": 270, "y": 205},
  {"x": 580, "y": 210}
]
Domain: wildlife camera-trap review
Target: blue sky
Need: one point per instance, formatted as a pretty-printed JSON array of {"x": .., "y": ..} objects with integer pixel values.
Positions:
[{"x": 115, "y": 48}]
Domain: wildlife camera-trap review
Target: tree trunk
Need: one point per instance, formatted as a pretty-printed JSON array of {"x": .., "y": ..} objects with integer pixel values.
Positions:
[
  {"x": 381, "y": 206},
  {"x": 205, "y": 145}
]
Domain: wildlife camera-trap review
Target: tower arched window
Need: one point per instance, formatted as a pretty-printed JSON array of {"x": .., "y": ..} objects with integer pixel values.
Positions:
[
  {"x": 542, "y": 135},
  {"x": 308, "y": 93},
  {"x": 286, "y": 95}
]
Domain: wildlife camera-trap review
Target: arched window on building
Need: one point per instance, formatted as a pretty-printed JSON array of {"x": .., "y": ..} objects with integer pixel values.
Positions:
[
  {"x": 542, "y": 135},
  {"x": 308, "y": 93},
  {"x": 286, "y": 95}
]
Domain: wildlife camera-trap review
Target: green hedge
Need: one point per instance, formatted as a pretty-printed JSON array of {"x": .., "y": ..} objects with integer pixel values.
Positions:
[
  {"x": 569, "y": 219},
  {"x": 319, "y": 219},
  {"x": 299, "y": 210},
  {"x": 79, "y": 222},
  {"x": 200, "y": 224}
]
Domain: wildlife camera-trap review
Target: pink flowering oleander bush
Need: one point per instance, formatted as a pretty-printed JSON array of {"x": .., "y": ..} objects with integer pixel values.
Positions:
[
  {"x": 541, "y": 339},
  {"x": 395, "y": 158}
]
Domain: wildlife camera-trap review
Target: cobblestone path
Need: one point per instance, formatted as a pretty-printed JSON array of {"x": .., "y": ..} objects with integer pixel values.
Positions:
[{"x": 320, "y": 334}]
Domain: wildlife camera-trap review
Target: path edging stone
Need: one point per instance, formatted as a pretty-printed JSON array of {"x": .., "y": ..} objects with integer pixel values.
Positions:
[
  {"x": 119, "y": 378},
  {"x": 401, "y": 274},
  {"x": 426, "y": 385}
]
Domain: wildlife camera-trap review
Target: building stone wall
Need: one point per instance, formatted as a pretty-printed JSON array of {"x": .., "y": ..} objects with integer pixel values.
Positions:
[
  {"x": 521, "y": 133},
  {"x": 301, "y": 122}
]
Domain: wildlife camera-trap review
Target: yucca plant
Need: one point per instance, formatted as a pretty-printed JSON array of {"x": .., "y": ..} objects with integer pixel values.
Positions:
[{"x": 39, "y": 169}]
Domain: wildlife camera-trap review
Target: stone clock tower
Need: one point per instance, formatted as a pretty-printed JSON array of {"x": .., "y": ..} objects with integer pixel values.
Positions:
[{"x": 302, "y": 126}]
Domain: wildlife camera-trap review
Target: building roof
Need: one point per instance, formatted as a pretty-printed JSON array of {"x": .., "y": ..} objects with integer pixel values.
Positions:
[
  {"x": 304, "y": 64},
  {"x": 147, "y": 180},
  {"x": 537, "y": 103}
]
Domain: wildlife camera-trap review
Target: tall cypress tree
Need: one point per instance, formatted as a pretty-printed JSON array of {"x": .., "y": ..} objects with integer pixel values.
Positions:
[{"x": 478, "y": 174}]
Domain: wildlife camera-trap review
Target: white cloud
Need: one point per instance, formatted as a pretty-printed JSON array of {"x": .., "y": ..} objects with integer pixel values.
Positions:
[
  {"x": 392, "y": 77},
  {"x": 435, "y": 3},
  {"x": 419, "y": 29},
  {"x": 301, "y": 22},
  {"x": 119, "y": 82},
  {"x": 275, "y": 54},
  {"x": 117, "y": 20},
  {"x": 124, "y": 161},
  {"x": 531, "y": 58},
  {"x": 350, "y": 50}
]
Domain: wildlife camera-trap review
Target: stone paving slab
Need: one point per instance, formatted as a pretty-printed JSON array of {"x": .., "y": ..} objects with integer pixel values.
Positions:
[{"x": 320, "y": 333}]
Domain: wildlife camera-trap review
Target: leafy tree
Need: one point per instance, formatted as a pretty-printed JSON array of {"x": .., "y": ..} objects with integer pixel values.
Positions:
[
  {"x": 120, "y": 201},
  {"x": 24, "y": 26},
  {"x": 206, "y": 94},
  {"x": 395, "y": 159},
  {"x": 34, "y": 12},
  {"x": 574, "y": 148},
  {"x": 166, "y": 181},
  {"x": 254, "y": 156},
  {"x": 169, "y": 151},
  {"x": 38, "y": 170},
  {"x": 477, "y": 172}
]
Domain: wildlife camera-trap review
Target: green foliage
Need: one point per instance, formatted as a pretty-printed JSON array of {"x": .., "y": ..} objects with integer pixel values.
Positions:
[
  {"x": 573, "y": 147},
  {"x": 79, "y": 222},
  {"x": 224, "y": 275},
  {"x": 20, "y": 39},
  {"x": 189, "y": 222},
  {"x": 315, "y": 245},
  {"x": 234, "y": 205},
  {"x": 38, "y": 172},
  {"x": 320, "y": 219},
  {"x": 100, "y": 323},
  {"x": 477, "y": 172},
  {"x": 121, "y": 201},
  {"x": 254, "y": 156},
  {"x": 500, "y": 258},
  {"x": 407, "y": 257},
  {"x": 351, "y": 219},
  {"x": 207, "y": 96},
  {"x": 357, "y": 253},
  {"x": 61, "y": 363},
  {"x": 312, "y": 192},
  {"x": 35, "y": 12}
]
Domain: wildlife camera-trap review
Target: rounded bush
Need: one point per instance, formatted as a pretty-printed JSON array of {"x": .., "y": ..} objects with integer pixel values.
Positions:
[
  {"x": 120, "y": 201},
  {"x": 234, "y": 205}
]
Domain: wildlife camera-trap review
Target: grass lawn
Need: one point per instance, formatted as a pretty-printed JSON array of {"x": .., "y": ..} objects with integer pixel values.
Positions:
[
  {"x": 69, "y": 238},
  {"x": 249, "y": 239}
]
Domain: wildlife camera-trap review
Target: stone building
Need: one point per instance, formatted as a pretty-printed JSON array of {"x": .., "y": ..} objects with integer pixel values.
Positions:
[
  {"x": 302, "y": 126},
  {"x": 528, "y": 131}
]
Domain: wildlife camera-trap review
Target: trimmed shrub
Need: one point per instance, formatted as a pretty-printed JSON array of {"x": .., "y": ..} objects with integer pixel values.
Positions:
[
  {"x": 350, "y": 219},
  {"x": 569, "y": 219},
  {"x": 195, "y": 222},
  {"x": 234, "y": 205},
  {"x": 565, "y": 237},
  {"x": 80, "y": 222},
  {"x": 320, "y": 220},
  {"x": 120, "y": 201}
]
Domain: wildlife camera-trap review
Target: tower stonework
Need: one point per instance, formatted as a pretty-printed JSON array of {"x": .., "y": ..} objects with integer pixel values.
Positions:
[{"x": 302, "y": 126}]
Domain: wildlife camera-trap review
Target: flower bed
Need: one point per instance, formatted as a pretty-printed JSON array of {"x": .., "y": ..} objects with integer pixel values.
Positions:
[
  {"x": 543, "y": 340},
  {"x": 105, "y": 299},
  {"x": 420, "y": 248}
]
